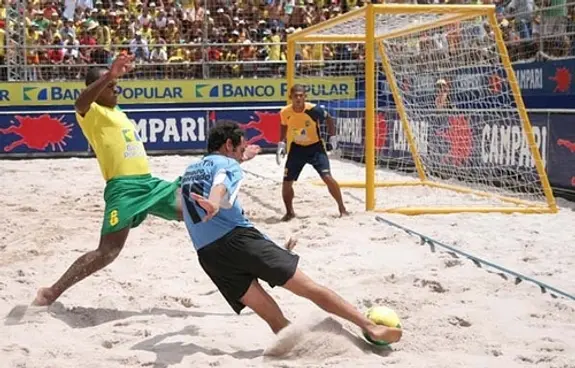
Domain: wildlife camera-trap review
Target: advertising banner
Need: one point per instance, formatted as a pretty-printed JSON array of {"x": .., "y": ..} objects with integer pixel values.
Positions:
[
  {"x": 37, "y": 133},
  {"x": 544, "y": 85},
  {"x": 47, "y": 133},
  {"x": 547, "y": 85},
  {"x": 561, "y": 169},
  {"x": 178, "y": 91},
  {"x": 475, "y": 140},
  {"x": 161, "y": 130},
  {"x": 262, "y": 127}
]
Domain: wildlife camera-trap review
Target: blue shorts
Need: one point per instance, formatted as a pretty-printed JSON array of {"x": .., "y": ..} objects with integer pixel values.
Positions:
[{"x": 299, "y": 156}]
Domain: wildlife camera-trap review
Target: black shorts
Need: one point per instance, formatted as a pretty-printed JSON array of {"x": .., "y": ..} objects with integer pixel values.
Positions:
[
  {"x": 241, "y": 256},
  {"x": 299, "y": 156}
]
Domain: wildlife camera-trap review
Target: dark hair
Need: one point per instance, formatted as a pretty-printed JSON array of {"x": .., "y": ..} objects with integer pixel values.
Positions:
[
  {"x": 297, "y": 88},
  {"x": 94, "y": 74},
  {"x": 221, "y": 131}
]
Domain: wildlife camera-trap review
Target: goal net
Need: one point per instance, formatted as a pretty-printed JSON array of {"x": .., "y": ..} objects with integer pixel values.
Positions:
[{"x": 437, "y": 124}]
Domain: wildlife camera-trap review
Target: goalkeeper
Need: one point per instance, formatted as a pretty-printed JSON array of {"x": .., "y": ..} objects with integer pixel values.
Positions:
[{"x": 301, "y": 120}]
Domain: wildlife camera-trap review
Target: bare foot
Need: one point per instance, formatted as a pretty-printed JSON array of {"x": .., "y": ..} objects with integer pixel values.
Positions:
[
  {"x": 343, "y": 213},
  {"x": 290, "y": 244},
  {"x": 384, "y": 333},
  {"x": 44, "y": 297},
  {"x": 288, "y": 216}
]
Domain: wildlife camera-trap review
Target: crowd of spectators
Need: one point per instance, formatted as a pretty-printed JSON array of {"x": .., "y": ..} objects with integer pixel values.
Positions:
[{"x": 233, "y": 38}]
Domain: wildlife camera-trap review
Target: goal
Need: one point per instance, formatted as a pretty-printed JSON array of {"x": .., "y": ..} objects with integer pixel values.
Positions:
[{"x": 437, "y": 119}]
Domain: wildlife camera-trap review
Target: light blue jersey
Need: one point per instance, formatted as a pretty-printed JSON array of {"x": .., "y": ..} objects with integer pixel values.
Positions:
[{"x": 200, "y": 178}]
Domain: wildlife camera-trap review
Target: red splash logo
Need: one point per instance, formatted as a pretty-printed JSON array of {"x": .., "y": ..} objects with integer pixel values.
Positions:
[
  {"x": 460, "y": 138},
  {"x": 38, "y": 132},
  {"x": 380, "y": 131},
  {"x": 562, "y": 79},
  {"x": 267, "y": 125},
  {"x": 571, "y": 147}
]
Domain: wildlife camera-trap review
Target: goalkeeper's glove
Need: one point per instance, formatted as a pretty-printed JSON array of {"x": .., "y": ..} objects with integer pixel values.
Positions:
[
  {"x": 281, "y": 152},
  {"x": 332, "y": 143}
]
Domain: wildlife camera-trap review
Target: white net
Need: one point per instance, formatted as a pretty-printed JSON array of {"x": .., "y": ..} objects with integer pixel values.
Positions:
[{"x": 461, "y": 111}]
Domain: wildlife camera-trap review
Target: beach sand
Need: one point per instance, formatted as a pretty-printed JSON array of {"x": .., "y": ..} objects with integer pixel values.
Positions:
[{"x": 154, "y": 306}]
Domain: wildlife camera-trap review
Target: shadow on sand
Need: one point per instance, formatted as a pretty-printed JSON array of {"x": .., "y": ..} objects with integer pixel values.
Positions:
[
  {"x": 174, "y": 352},
  {"x": 170, "y": 353},
  {"x": 82, "y": 317}
]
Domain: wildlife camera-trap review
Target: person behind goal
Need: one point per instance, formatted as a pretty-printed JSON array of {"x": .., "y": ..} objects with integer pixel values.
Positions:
[
  {"x": 131, "y": 191},
  {"x": 235, "y": 255},
  {"x": 300, "y": 125}
]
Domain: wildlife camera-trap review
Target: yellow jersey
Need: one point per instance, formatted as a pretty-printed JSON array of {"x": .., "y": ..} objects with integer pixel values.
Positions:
[
  {"x": 118, "y": 147},
  {"x": 303, "y": 127}
]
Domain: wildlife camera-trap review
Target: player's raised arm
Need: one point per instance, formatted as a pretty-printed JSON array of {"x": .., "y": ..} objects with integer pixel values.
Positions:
[
  {"x": 212, "y": 204},
  {"x": 98, "y": 80}
]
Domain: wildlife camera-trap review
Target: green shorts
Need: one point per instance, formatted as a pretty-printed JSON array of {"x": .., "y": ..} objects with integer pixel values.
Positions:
[{"x": 129, "y": 200}]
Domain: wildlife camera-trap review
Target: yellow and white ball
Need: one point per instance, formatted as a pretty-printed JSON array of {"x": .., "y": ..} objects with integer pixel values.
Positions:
[{"x": 381, "y": 315}]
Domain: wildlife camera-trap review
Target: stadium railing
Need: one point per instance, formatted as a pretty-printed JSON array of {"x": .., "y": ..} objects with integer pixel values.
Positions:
[
  {"x": 197, "y": 61},
  {"x": 530, "y": 36}
]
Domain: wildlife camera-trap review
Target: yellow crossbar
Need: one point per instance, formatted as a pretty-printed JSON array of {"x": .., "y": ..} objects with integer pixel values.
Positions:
[
  {"x": 437, "y": 9},
  {"x": 299, "y": 35}
]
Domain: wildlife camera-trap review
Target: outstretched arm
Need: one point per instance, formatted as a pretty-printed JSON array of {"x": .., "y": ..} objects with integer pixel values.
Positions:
[
  {"x": 226, "y": 184},
  {"x": 211, "y": 204},
  {"x": 121, "y": 65},
  {"x": 251, "y": 151}
]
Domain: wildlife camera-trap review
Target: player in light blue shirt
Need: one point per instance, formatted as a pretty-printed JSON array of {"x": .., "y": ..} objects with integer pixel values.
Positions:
[
  {"x": 235, "y": 255},
  {"x": 199, "y": 179}
]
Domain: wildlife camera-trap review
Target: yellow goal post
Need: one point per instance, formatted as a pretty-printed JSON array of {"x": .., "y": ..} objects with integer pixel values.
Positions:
[{"x": 453, "y": 134}]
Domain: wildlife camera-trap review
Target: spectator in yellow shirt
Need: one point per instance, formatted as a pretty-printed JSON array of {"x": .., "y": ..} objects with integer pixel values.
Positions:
[{"x": 275, "y": 47}]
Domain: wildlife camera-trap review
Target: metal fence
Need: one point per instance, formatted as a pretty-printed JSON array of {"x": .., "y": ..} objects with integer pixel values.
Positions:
[{"x": 218, "y": 40}]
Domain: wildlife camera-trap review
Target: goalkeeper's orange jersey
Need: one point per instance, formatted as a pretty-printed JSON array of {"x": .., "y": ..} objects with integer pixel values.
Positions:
[{"x": 303, "y": 127}]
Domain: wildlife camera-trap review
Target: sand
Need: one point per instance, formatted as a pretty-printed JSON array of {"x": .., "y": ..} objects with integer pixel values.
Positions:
[{"x": 154, "y": 306}]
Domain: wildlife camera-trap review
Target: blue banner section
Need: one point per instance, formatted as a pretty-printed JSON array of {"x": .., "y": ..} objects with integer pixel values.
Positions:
[
  {"x": 544, "y": 85},
  {"x": 181, "y": 130},
  {"x": 473, "y": 139},
  {"x": 547, "y": 85},
  {"x": 59, "y": 133},
  {"x": 50, "y": 133},
  {"x": 561, "y": 166},
  {"x": 262, "y": 127}
]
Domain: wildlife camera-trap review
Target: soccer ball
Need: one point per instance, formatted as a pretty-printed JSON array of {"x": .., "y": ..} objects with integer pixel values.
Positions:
[{"x": 382, "y": 316}]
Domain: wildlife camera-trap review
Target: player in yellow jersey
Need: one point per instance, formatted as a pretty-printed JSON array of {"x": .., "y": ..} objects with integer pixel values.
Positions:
[
  {"x": 300, "y": 126},
  {"x": 131, "y": 191}
]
